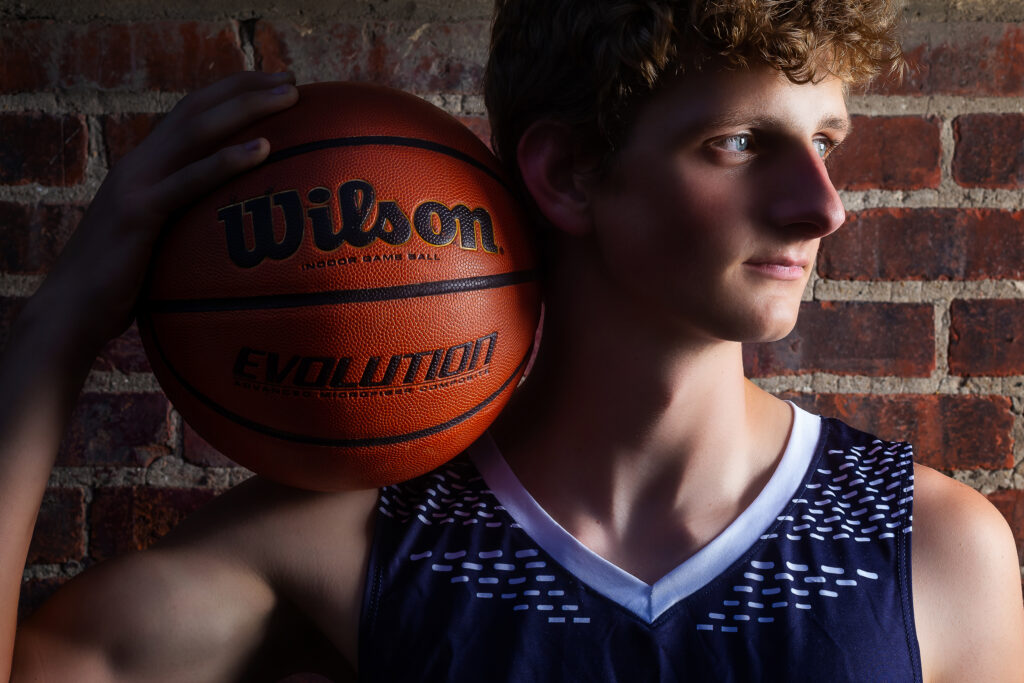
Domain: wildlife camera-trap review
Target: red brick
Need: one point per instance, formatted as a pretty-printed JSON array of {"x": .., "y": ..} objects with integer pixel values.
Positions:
[
  {"x": 129, "y": 430},
  {"x": 132, "y": 518},
  {"x": 989, "y": 150},
  {"x": 1010, "y": 502},
  {"x": 979, "y": 59},
  {"x": 198, "y": 452},
  {"x": 851, "y": 338},
  {"x": 161, "y": 55},
  {"x": 34, "y": 593},
  {"x": 25, "y": 63},
  {"x": 123, "y": 354},
  {"x": 123, "y": 132},
  {"x": 986, "y": 337},
  {"x": 889, "y": 153},
  {"x": 32, "y": 235},
  {"x": 42, "y": 148},
  {"x": 948, "y": 432},
  {"x": 411, "y": 56},
  {"x": 926, "y": 244},
  {"x": 59, "y": 534}
]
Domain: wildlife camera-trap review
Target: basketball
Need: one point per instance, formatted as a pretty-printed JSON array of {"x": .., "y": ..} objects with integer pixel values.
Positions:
[{"x": 356, "y": 310}]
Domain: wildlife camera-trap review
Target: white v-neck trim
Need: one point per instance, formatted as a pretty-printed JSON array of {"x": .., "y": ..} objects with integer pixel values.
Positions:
[{"x": 650, "y": 601}]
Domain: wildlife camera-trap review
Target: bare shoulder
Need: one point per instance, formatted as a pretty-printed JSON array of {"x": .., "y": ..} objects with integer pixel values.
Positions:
[
  {"x": 263, "y": 576},
  {"x": 310, "y": 548},
  {"x": 966, "y": 582}
]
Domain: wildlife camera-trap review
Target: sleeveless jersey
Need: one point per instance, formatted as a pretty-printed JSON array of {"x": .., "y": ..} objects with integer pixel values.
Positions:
[{"x": 470, "y": 580}]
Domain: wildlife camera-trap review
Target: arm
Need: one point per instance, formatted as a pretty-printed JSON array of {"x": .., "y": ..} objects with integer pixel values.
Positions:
[
  {"x": 89, "y": 296},
  {"x": 967, "y": 585},
  {"x": 247, "y": 589}
]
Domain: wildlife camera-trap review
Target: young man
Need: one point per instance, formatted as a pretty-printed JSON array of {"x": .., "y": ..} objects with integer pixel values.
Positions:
[{"x": 640, "y": 511}]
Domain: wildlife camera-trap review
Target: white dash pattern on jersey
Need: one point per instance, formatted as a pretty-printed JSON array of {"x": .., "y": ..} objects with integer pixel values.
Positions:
[
  {"x": 522, "y": 579},
  {"x": 865, "y": 499}
]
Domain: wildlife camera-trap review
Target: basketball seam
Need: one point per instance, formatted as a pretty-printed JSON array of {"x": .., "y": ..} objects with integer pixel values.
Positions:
[
  {"x": 324, "y": 441},
  {"x": 383, "y": 140},
  {"x": 341, "y": 296}
]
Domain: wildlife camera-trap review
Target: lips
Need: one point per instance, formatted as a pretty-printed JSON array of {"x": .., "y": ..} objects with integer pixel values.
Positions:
[
  {"x": 780, "y": 260},
  {"x": 779, "y": 267}
]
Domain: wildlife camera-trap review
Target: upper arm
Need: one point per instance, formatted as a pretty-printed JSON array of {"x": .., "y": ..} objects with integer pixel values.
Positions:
[
  {"x": 265, "y": 575},
  {"x": 967, "y": 585},
  {"x": 157, "y": 615}
]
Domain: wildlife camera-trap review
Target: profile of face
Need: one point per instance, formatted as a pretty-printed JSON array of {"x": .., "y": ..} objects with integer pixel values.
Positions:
[{"x": 710, "y": 214}]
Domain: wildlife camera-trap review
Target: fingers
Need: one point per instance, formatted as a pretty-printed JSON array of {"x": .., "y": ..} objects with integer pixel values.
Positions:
[
  {"x": 208, "y": 129},
  {"x": 201, "y": 100},
  {"x": 200, "y": 126},
  {"x": 179, "y": 161},
  {"x": 193, "y": 181}
]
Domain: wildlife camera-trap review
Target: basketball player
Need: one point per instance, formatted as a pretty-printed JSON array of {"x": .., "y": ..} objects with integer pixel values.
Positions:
[{"x": 640, "y": 511}]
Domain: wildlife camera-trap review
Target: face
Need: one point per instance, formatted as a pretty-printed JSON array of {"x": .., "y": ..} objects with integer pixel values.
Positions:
[{"x": 711, "y": 214}]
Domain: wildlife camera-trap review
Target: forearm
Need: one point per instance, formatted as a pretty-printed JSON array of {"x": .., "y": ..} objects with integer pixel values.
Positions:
[
  {"x": 90, "y": 294},
  {"x": 42, "y": 370}
]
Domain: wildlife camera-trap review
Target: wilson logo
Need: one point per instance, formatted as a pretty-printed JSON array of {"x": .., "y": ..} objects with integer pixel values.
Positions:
[
  {"x": 327, "y": 372},
  {"x": 364, "y": 220}
]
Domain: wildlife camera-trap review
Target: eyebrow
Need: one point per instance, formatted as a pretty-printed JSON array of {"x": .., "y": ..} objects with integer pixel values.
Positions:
[
  {"x": 840, "y": 123},
  {"x": 732, "y": 119}
]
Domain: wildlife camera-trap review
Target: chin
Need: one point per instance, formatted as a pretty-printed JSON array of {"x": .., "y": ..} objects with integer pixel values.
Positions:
[{"x": 756, "y": 327}]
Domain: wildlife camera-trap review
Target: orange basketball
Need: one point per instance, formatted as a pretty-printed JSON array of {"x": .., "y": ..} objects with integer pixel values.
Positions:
[{"x": 356, "y": 310}]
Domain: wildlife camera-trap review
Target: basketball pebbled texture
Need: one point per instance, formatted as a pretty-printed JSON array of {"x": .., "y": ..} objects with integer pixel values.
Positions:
[{"x": 355, "y": 311}]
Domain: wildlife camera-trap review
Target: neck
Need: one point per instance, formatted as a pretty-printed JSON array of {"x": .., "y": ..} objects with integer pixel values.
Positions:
[{"x": 628, "y": 417}]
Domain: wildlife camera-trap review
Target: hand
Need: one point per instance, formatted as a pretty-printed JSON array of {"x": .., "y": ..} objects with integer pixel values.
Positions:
[{"x": 98, "y": 277}]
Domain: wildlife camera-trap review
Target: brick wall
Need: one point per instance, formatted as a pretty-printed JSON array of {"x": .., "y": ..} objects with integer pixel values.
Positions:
[{"x": 913, "y": 325}]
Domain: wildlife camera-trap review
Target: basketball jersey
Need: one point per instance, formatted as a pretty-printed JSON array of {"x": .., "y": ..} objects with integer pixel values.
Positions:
[{"x": 471, "y": 580}]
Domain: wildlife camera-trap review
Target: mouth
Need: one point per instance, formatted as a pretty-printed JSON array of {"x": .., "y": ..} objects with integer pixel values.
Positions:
[{"x": 779, "y": 267}]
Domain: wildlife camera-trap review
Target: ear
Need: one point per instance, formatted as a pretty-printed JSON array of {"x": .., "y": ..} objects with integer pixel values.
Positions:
[{"x": 554, "y": 175}]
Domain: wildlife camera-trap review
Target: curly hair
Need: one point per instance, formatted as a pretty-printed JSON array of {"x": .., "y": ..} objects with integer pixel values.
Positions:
[{"x": 589, "y": 63}]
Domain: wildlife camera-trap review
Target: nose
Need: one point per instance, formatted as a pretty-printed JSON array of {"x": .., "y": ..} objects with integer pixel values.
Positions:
[{"x": 803, "y": 197}]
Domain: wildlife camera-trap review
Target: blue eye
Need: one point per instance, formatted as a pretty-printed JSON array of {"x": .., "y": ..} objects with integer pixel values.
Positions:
[
  {"x": 824, "y": 146},
  {"x": 737, "y": 143}
]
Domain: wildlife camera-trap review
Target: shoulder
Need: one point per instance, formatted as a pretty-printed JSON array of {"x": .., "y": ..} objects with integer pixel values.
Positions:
[
  {"x": 230, "y": 588},
  {"x": 966, "y": 583},
  {"x": 311, "y": 548}
]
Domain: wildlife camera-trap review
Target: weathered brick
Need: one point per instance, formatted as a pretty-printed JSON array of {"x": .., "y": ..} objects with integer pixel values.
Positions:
[
  {"x": 948, "y": 432},
  {"x": 408, "y": 55},
  {"x": 123, "y": 354},
  {"x": 851, "y": 338},
  {"x": 34, "y": 593},
  {"x": 198, "y": 452},
  {"x": 926, "y": 244},
  {"x": 160, "y": 55},
  {"x": 986, "y": 337},
  {"x": 24, "y": 64},
  {"x": 117, "y": 430},
  {"x": 59, "y": 534},
  {"x": 123, "y": 132},
  {"x": 32, "y": 235},
  {"x": 889, "y": 153},
  {"x": 989, "y": 150},
  {"x": 1010, "y": 502},
  {"x": 42, "y": 148},
  {"x": 132, "y": 518},
  {"x": 975, "y": 59}
]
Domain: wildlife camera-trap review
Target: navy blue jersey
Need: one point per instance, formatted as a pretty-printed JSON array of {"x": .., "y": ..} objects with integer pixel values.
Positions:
[{"x": 470, "y": 580}]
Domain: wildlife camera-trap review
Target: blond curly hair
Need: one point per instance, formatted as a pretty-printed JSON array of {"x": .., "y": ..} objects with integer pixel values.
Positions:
[{"x": 588, "y": 63}]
